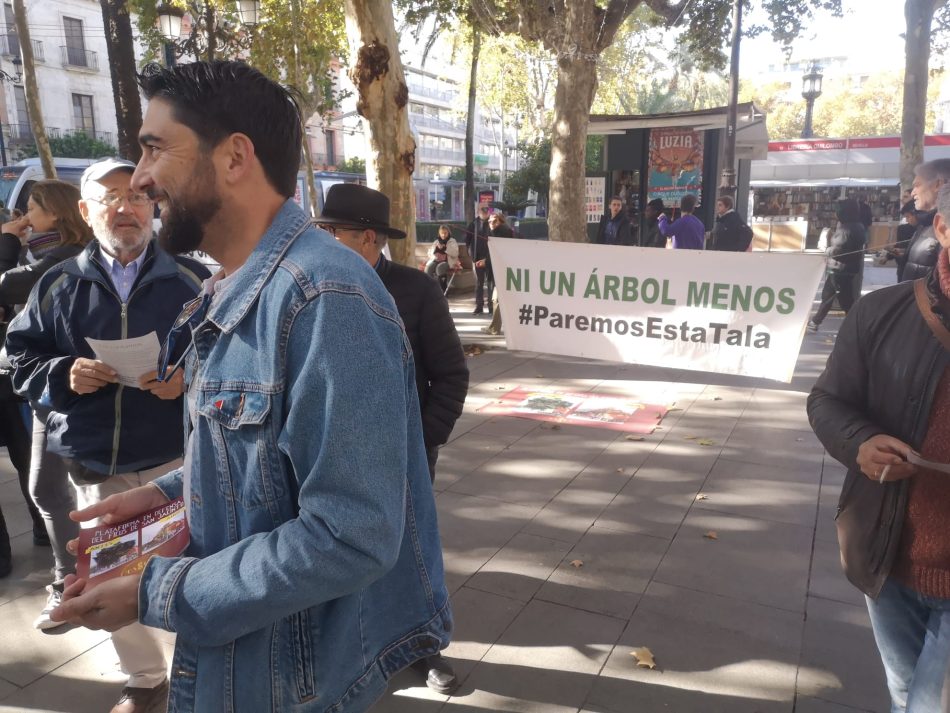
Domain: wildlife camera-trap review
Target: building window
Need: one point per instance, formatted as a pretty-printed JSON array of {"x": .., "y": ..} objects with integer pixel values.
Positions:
[
  {"x": 75, "y": 44},
  {"x": 83, "y": 119},
  {"x": 21, "y": 129},
  {"x": 331, "y": 146},
  {"x": 12, "y": 39}
]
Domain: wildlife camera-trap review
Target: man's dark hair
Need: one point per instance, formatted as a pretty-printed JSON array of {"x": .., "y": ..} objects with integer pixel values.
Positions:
[
  {"x": 217, "y": 99},
  {"x": 726, "y": 201},
  {"x": 688, "y": 203},
  {"x": 616, "y": 198}
]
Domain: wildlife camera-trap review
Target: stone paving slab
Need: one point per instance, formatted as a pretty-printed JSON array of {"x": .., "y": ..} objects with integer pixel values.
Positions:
[{"x": 758, "y": 620}]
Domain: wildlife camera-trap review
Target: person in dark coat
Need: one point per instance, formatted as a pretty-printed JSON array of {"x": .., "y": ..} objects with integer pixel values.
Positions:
[
  {"x": 844, "y": 258},
  {"x": 924, "y": 247},
  {"x": 359, "y": 218},
  {"x": 652, "y": 238},
  {"x": 476, "y": 240},
  {"x": 497, "y": 228},
  {"x": 730, "y": 232},
  {"x": 614, "y": 228},
  {"x": 51, "y": 231},
  {"x": 883, "y": 398},
  {"x": 905, "y": 233}
]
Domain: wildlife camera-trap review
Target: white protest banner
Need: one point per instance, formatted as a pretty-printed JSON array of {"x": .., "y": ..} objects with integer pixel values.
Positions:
[{"x": 731, "y": 313}]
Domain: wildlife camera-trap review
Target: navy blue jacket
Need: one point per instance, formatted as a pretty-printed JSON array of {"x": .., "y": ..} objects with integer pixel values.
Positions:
[{"x": 116, "y": 429}]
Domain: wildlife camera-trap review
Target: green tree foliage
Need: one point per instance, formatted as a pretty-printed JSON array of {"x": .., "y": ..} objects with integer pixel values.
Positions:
[
  {"x": 640, "y": 74},
  {"x": 846, "y": 108},
  {"x": 535, "y": 171},
  {"x": 296, "y": 42},
  {"x": 352, "y": 165},
  {"x": 75, "y": 145}
]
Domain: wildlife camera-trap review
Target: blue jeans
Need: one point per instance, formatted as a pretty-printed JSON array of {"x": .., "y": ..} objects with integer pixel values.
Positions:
[{"x": 912, "y": 632}]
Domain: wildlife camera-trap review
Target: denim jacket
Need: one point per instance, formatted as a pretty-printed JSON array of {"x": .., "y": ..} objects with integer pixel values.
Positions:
[{"x": 314, "y": 571}]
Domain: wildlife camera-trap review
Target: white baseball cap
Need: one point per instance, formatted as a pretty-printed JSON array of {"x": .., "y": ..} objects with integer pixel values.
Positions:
[{"x": 101, "y": 169}]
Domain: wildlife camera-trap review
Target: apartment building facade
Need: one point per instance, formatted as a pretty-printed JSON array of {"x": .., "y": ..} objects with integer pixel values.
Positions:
[{"x": 72, "y": 72}]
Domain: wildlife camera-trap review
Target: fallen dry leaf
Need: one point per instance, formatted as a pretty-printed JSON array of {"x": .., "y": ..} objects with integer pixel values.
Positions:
[
  {"x": 620, "y": 470},
  {"x": 829, "y": 341},
  {"x": 690, "y": 438},
  {"x": 717, "y": 398},
  {"x": 702, "y": 496},
  {"x": 577, "y": 563},
  {"x": 634, "y": 438},
  {"x": 705, "y": 442},
  {"x": 673, "y": 408},
  {"x": 711, "y": 535},
  {"x": 644, "y": 657}
]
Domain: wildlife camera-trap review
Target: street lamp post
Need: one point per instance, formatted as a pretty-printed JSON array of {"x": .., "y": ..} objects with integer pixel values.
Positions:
[
  {"x": 811, "y": 90},
  {"x": 18, "y": 65}
]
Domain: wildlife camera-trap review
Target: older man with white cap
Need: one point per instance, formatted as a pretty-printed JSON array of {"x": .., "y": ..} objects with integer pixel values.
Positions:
[{"x": 114, "y": 437}]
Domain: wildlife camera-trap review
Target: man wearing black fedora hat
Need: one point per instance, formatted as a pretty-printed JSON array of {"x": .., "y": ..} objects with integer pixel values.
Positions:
[{"x": 359, "y": 218}]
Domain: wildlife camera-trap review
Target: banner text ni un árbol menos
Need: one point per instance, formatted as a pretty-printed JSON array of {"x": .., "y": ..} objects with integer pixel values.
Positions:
[{"x": 731, "y": 313}]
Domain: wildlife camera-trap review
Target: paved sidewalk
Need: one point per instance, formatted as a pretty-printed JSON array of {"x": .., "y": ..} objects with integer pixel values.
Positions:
[{"x": 755, "y": 621}]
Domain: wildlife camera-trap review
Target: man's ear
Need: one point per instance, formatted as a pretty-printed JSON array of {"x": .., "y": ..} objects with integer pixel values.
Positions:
[
  {"x": 84, "y": 210},
  {"x": 237, "y": 155},
  {"x": 942, "y": 230}
]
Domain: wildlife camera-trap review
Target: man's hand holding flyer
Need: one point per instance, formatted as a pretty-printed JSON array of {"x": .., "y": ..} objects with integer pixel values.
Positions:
[{"x": 122, "y": 549}]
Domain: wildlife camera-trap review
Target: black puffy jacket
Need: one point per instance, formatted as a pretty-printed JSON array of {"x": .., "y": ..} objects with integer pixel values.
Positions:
[
  {"x": 729, "y": 234},
  {"x": 441, "y": 370},
  {"x": 880, "y": 378},
  {"x": 924, "y": 248},
  {"x": 17, "y": 280}
]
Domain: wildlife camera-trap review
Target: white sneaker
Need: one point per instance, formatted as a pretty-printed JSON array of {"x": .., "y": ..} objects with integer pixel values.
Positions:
[
  {"x": 812, "y": 326},
  {"x": 54, "y": 599}
]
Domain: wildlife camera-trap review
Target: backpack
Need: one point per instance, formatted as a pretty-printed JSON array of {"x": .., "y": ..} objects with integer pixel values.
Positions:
[{"x": 745, "y": 233}]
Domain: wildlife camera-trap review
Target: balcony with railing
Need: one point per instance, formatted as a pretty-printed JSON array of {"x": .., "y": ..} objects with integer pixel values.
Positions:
[
  {"x": 102, "y": 136},
  {"x": 431, "y": 92},
  {"x": 436, "y": 123},
  {"x": 442, "y": 154},
  {"x": 10, "y": 47},
  {"x": 79, "y": 57}
]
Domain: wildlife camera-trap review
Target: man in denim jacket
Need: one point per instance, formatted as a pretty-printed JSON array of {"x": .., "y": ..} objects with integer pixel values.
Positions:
[{"x": 314, "y": 571}]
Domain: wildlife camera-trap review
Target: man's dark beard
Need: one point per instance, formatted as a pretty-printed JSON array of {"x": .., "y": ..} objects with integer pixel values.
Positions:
[{"x": 183, "y": 228}]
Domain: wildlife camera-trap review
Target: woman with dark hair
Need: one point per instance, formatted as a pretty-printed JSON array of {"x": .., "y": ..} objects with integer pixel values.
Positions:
[
  {"x": 844, "y": 257},
  {"x": 52, "y": 230}
]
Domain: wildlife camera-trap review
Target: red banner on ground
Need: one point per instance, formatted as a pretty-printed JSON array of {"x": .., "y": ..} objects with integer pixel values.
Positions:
[{"x": 611, "y": 412}]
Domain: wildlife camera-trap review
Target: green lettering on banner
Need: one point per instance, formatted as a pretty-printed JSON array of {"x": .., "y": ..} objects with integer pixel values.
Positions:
[
  {"x": 697, "y": 294},
  {"x": 786, "y": 298},
  {"x": 593, "y": 286},
  {"x": 720, "y": 295},
  {"x": 518, "y": 281},
  {"x": 560, "y": 281}
]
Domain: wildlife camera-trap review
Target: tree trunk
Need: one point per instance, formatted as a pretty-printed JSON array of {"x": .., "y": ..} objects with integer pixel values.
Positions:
[
  {"x": 470, "y": 196},
  {"x": 128, "y": 105},
  {"x": 919, "y": 15},
  {"x": 308, "y": 166},
  {"x": 576, "y": 84},
  {"x": 33, "y": 106},
  {"x": 383, "y": 98},
  {"x": 211, "y": 29}
]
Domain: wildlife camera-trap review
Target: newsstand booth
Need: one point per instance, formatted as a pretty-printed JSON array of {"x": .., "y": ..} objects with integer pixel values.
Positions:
[
  {"x": 669, "y": 155},
  {"x": 795, "y": 189}
]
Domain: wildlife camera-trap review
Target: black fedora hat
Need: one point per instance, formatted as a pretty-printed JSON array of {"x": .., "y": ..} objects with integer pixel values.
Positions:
[{"x": 354, "y": 205}]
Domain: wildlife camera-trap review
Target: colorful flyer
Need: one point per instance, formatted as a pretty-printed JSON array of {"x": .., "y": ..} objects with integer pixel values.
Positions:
[{"x": 109, "y": 551}]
